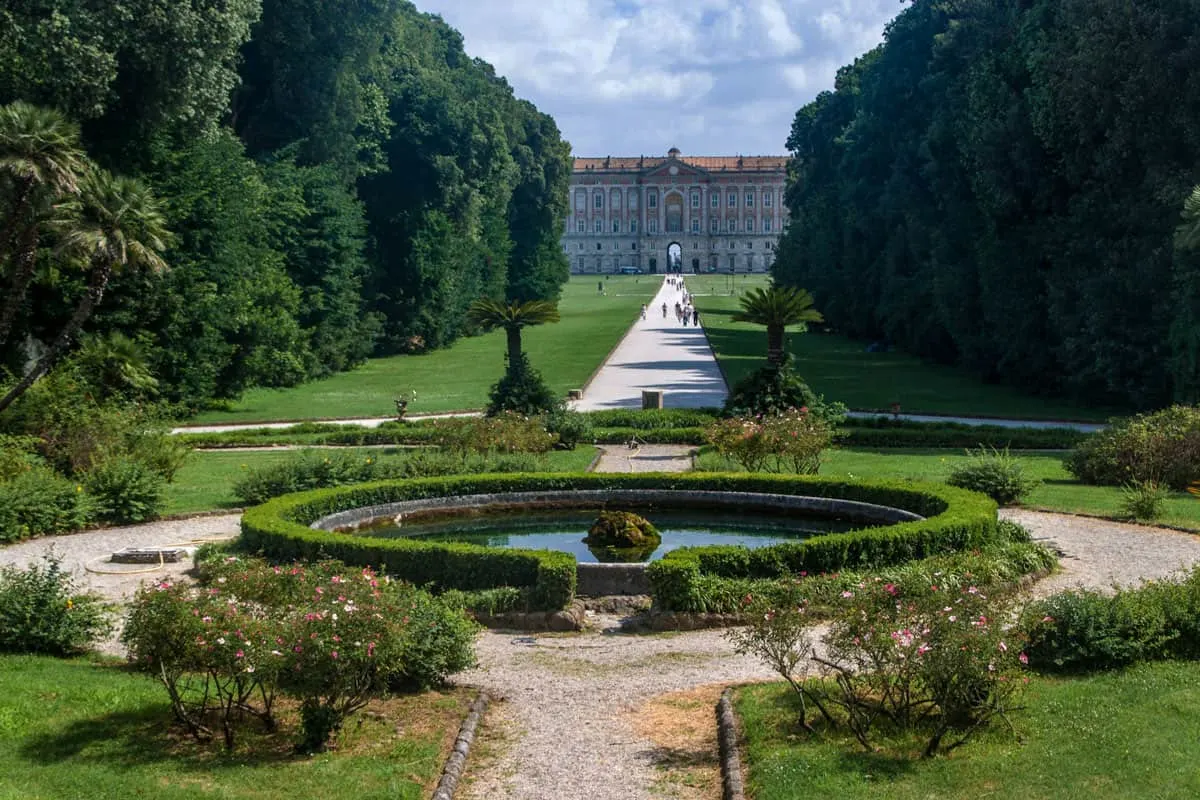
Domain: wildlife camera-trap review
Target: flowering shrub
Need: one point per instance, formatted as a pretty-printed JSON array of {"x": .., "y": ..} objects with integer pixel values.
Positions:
[
  {"x": 506, "y": 432},
  {"x": 791, "y": 441},
  {"x": 330, "y": 636},
  {"x": 939, "y": 662},
  {"x": 40, "y": 611}
]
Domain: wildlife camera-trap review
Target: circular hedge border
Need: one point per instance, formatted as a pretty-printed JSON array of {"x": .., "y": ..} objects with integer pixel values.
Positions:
[{"x": 955, "y": 520}]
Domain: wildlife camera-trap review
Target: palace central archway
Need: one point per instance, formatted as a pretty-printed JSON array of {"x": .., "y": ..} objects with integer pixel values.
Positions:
[{"x": 675, "y": 258}]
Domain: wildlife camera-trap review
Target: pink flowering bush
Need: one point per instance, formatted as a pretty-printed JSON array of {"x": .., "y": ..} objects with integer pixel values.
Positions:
[
  {"x": 938, "y": 662},
  {"x": 330, "y": 636},
  {"x": 792, "y": 441}
]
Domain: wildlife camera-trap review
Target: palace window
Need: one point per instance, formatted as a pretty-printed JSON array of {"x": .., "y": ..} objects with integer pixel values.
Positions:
[
  {"x": 749, "y": 245},
  {"x": 598, "y": 200},
  {"x": 714, "y": 245},
  {"x": 714, "y": 225},
  {"x": 768, "y": 198},
  {"x": 766, "y": 224},
  {"x": 715, "y": 199},
  {"x": 616, "y": 226},
  {"x": 580, "y": 226},
  {"x": 749, "y": 199},
  {"x": 749, "y": 224},
  {"x": 731, "y": 225},
  {"x": 616, "y": 245},
  {"x": 580, "y": 200},
  {"x": 615, "y": 202},
  {"x": 633, "y": 200},
  {"x": 580, "y": 246},
  {"x": 597, "y": 245},
  {"x": 599, "y": 226},
  {"x": 652, "y": 200},
  {"x": 652, "y": 226},
  {"x": 633, "y": 226},
  {"x": 695, "y": 199},
  {"x": 695, "y": 224},
  {"x": 732, "y": 244},
  {"x": 732, "y": 200},
  {"x": 653, "y": 245},
  {"x": 633, "y": 245}
]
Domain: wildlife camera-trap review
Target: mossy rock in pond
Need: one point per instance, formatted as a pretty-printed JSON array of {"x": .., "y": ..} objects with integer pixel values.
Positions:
[
  {"x": 622, "y": 530},
  {"x": 622, "y": 537}
]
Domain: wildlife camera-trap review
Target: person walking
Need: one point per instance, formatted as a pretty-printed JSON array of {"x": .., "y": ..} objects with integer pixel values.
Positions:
[
  {"x": 695, "y": 317},
  {"x": 664, "y": 310},
  {"x": 643, "y": 310}
]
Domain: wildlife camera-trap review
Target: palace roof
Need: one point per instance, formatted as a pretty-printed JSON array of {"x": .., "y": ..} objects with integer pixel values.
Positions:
[{"x": 707, "y": 163}]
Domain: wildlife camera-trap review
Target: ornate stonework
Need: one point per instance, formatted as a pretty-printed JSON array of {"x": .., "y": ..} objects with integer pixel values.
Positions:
[{"x": 725, "y": 213}]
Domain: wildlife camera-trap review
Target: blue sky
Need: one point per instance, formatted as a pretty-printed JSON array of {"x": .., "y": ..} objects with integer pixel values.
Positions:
[{"x": 635, "y": 77}]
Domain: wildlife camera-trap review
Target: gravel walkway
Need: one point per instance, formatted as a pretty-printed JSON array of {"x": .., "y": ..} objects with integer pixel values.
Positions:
[
  {"x": 646, "y": 458},
  {"x": 566, "y": 729}
]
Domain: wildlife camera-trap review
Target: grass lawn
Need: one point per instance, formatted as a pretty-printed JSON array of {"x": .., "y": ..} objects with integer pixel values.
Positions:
[
  {"x": 841, "y": 369},
  {"x": 79, "y": 730},
  {"x": 459, "y": 377},
  {"x": 1059, "y": 491},
  {"x": 205, "y": 482},
  {"x": 1133, "y": 734}
]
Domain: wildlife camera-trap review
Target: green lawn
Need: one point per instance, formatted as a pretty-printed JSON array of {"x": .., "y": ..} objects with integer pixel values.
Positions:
[
  {"x": 841, "y": 369},
  {"x": 1058, "y": 491},
  {"x": 1133, "y": 734},
  {"x": 79, "y": 730},
  {"x": 205, "y": 481},
  {"x": 459, "y": 377}
]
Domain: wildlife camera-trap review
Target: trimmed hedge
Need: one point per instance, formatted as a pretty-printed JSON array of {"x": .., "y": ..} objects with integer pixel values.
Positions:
[
  {"x": 859, "y": 432},
  {"x": 957, "y": 520}
]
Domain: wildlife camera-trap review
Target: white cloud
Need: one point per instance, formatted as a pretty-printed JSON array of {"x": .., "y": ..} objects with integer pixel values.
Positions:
[{"x": 627, "y": 77}]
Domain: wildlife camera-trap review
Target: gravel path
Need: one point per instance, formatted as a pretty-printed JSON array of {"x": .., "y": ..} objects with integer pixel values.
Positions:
[
  {"x": 566, "y": 721},
  {"x": 646, "y": 458}
]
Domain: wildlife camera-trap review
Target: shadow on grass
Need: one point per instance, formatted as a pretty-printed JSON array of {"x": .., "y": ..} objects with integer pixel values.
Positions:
[
  {"x": 149, "y": 735},
  {"x": 877, "y": 765}
]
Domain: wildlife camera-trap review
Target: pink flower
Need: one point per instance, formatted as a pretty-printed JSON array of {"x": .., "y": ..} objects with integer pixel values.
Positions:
[
  {"x": 847, "y": 594},
  {"x": 1003, "y": 647},
  {"x": 1024, "y": 659},
  {"x": 239, "y": 654},
  {"x": 891, "y": 589},
  {"x": 333, "y": 654}
]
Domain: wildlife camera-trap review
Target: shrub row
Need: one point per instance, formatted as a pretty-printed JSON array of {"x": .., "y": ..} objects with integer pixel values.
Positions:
[
  {"x": 957, "y": 520},
  {"x": 882, "y": 432},
  {"x": 1085, "y": 630},
  {"x": 1162, "y": 447}
]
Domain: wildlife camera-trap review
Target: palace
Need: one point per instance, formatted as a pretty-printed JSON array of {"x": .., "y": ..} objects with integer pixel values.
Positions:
[{"x": 675, "y": 214}]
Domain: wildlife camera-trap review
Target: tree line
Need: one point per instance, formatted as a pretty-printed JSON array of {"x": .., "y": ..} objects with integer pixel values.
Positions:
[
  {"x": 999, "y": 184},
  {"x": 327, "y": 179}
]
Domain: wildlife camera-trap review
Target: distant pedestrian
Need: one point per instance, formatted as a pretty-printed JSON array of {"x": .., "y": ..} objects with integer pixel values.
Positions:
[
  {"x": 600, "y": 287},
  {"x": 643, "y": 310},
  {"x": 696, "y": 317},
  {"x": 664, "y": 310}
]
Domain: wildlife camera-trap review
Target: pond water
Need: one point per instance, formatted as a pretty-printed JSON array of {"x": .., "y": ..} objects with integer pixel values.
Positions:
[{"x": 565, "y": 530}]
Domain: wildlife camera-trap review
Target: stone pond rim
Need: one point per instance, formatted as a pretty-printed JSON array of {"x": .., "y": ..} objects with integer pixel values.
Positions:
[{"x": 602, "y": 579}]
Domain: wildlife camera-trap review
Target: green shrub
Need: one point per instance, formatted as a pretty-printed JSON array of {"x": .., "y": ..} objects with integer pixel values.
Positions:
[
  {"x": 653, "y": 418},
  {"x": 770, "y": 390},
  {"x": 1083, "y": 630},
  {"x": 331, "y": 637},
  {"x": 1163, "y": 447},
  {"x": 995, "y": 473},
  {"x": 869, "y": 432},
  {"x": 792, "y": 441},
  {"x": 125, "y": 491},
  {"x": 571, "y": 427},
  {"x": 18, "y": 455},
  {"x": 521, "y": 390},
  {"x": 41, "y": 612},
  {"x": 38, "y": 502},
  {"x": 649, "y": 435},
  {"x": 506, "y": 432},
  {"x": 1143, "y": 500}
]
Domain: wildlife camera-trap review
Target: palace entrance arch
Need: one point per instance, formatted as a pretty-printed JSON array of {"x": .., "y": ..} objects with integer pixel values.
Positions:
[{"x": 675, "y": 258}]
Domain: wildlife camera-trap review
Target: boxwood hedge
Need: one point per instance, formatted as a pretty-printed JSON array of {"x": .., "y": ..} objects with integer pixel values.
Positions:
[{"x": 956, "y": 520}]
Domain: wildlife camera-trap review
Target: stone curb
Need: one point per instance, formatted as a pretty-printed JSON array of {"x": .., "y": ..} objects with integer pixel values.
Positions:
[
  {"x": 457, "y": 762},
  {"x": 731, "y": 765}
]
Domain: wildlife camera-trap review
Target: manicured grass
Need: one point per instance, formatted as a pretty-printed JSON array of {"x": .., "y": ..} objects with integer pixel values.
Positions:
[
  {"x": 460, "y": 376},
  {"x": 1132, "y": 734},
  {"x": 841, "y": 369},
  {"x": 1059, "y": 491},
  {"x": 205, "y": 482},
  {"x": 71, "y": 730}
]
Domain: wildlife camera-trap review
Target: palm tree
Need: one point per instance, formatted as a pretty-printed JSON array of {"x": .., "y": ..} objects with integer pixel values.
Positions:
[
  {"x": 116, "y": 223},
  {"x": 777, "y": 307},
  {"x": 40, "y": 155},
  {"x": 1187, "y": 235},
  {"x": 512, "y": 317}
]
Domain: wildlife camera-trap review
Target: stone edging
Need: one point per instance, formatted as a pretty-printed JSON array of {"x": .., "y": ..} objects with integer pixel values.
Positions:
[
  {"x": 457, "y": 761},
  {"x": 731, "y": 765}
]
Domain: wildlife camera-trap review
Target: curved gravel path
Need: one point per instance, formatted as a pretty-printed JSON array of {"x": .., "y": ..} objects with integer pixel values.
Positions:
[{"x": 566, "y": 724}]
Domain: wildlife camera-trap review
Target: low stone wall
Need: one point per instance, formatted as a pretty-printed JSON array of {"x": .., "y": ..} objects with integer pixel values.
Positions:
[
  {"x": 866, "y": 513},
  {"x": 603, "y": 580}
]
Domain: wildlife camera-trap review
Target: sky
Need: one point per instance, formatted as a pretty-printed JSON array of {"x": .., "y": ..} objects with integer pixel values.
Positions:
[{"x": 636, "y": 77}]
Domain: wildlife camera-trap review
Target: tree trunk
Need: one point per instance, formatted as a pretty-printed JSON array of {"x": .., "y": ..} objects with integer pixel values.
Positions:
[
  {"x": 13, "y": 223},
  {"x": 774, "y": 345},
  {"x": 514, "y": 346},
  {"x": 102, "y": 267},
  {"x": 22, "y": 275}
]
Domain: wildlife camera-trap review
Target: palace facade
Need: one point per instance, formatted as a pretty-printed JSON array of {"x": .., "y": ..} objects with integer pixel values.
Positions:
[{"x": 677, "y": 214}]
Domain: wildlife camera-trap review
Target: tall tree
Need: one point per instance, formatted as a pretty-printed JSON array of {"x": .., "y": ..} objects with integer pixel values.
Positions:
[
  {"x": 40, "y": 157},
  {"x": 115, "y": 224},
  {"x": 777, "y": 308}
]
